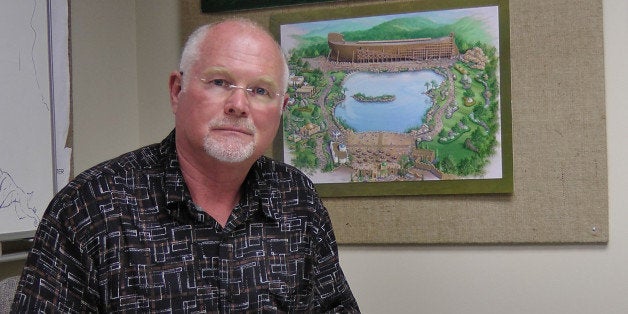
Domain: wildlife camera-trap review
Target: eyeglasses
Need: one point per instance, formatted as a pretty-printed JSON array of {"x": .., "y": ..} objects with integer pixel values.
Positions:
[{"x": 221, "y": 89}]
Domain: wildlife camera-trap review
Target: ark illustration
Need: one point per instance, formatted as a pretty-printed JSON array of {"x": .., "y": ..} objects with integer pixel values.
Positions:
[{"x": 416, "y": 49}]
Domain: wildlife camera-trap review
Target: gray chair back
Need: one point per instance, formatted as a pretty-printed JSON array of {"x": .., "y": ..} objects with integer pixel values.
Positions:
[{"x": 7, "y": 292}]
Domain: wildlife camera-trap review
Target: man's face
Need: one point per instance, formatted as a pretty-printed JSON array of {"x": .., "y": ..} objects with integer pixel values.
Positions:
[{"x": 230, "y": 124}]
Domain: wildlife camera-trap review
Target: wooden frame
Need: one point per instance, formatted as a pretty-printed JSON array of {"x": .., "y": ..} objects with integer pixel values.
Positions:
[{"x": 416, "y": 166}]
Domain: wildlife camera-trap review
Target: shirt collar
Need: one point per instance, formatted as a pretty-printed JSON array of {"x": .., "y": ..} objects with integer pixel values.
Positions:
[
  {"x": 258, "y": 192},
  {"x": 261, "y": 187}
]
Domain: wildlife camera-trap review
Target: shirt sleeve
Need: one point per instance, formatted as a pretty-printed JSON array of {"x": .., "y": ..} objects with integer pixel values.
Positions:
[
  {"x": 332, "y": 293},
  {"x": 56, "y": 276}
]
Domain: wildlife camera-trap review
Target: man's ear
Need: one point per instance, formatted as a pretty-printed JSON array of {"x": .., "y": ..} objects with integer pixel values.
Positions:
[
  {"x": 286, "y": 98},
  {"x": 175, "y": 87}
]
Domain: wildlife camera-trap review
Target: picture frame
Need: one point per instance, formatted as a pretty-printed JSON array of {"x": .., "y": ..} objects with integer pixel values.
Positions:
[
  {"x": 462, "y": 143},
  {"x": 214, "y": 6}
]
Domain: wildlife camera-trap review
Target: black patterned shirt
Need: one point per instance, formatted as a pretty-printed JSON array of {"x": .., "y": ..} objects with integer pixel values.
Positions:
[{"x": 125, "y": 236}]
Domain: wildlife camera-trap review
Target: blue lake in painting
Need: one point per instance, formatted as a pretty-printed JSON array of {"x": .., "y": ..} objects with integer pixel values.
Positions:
[{"x": 397, "y": 116}]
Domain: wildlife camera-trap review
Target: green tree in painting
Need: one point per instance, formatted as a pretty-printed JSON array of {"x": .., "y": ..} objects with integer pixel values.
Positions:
[
  {"x": 406, "y": 163},
  {"x": 447, "y": 165}
]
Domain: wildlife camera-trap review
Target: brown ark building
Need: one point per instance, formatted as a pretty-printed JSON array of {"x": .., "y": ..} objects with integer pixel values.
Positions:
[{"x": 391, "y": 50}]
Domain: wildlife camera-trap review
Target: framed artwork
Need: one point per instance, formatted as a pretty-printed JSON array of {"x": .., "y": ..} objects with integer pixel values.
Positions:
[
  {"x": 399, "y": 99},
  {"x": 212, "y": 6}
]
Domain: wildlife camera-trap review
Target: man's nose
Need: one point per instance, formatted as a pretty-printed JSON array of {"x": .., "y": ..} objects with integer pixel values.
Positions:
[{"x": 238, "y": 102}]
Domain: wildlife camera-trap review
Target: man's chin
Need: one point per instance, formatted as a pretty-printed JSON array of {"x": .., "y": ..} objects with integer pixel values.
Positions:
[{"x": 229, "y": 154}]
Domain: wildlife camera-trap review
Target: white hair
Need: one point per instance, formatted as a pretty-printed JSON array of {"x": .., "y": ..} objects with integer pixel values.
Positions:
[{"x": 191, "y": 49}]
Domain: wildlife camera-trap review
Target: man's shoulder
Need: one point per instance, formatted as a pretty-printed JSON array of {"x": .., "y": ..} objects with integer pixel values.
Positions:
[
  {"x": 107, "y": 190},
  {"x": 147, "y": 158},
  {"x": 143, "y": 158}
]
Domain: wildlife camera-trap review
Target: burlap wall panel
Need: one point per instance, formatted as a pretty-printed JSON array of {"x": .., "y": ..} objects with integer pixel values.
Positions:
[{"x": 559, "y": 142}]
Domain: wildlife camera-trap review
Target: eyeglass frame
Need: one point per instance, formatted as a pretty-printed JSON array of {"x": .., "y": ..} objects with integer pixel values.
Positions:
[{"x": 232, "y": 87}]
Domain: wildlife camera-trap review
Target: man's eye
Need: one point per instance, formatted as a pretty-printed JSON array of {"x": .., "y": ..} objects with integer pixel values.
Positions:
[
  {"x": 218, "y": 82},
  {"x": 260, "y": 91}
]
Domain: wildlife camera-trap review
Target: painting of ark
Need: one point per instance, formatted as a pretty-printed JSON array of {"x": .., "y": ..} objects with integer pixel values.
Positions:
[{"x": 410, "y": 97}]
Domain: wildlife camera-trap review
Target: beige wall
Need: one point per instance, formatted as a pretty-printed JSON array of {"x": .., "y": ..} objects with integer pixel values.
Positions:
[
  {"x": 122, "y": 53},
  {"x": 104, "y": 80},
  {"x": 158, "y": 49}
]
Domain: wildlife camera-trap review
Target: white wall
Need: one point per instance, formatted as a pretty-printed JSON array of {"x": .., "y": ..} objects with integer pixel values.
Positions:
[{"x": 112, "y": 46}]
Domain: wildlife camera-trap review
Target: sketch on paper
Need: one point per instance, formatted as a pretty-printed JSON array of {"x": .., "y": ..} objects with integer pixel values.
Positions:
[
  {"x": 403, "y": 97},
  {"x": 13, "y": 197}
]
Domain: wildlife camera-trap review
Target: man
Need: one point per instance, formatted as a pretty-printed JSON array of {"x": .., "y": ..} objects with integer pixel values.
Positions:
[{"x": 201, "y": 222}]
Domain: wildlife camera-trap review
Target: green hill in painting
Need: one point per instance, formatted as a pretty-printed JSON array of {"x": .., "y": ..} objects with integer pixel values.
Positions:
[{"x": 468, "y": 32}]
